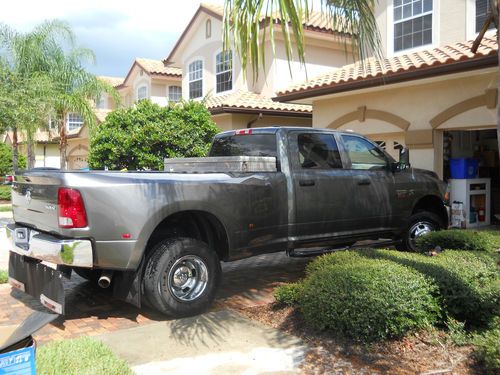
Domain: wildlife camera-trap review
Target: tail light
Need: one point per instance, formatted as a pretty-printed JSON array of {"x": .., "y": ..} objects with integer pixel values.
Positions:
[
  {"x": 71, "y": 209},
  {"x": 243, "y": 132}
]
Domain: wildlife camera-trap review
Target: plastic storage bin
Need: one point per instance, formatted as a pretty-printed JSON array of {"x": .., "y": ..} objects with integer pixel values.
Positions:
[{"x": 463, "y": 168}]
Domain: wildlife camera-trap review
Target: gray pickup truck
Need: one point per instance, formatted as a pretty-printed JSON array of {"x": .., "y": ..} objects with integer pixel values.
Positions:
[{"x": 159, "y": 237}]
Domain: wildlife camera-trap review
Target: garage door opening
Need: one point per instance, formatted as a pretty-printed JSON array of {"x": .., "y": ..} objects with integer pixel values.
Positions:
[{"x": 471, "y": 168}]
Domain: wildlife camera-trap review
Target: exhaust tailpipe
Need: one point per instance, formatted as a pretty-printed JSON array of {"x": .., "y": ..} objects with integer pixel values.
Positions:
[{"x": 105, "y": 279}]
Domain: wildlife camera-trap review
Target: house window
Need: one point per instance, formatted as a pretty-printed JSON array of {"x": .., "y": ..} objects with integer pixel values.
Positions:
[
  {"x": 412, "y": 24},
  {"x": 196, "y": 79},
  {"x": 101, "y": 102},
  {"x": 174, "y": 93},
  {"x": 142, "y": 93},
  {"x": 73, "y": 121},
  {"x": 483, "y": 8},
  {"x": 224, "y": 71},
  {"x": 208, "y": 29}
]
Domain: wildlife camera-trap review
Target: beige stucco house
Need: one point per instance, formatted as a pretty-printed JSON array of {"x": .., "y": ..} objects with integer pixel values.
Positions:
[{"x": 430, "y": 93}]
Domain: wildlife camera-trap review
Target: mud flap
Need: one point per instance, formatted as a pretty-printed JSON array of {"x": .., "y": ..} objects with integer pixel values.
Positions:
[
  {"x": 37, "y": 280},
  {"x": 127, "y": 286}
]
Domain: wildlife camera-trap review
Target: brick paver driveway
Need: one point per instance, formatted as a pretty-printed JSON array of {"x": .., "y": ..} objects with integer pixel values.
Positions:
[{"x": 91, "y": 311}]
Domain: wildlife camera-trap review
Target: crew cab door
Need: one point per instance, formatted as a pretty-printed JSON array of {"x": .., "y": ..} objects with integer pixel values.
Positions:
[
  {"x": 371, "y": 185},
  {"x": 322, "y": 189}
]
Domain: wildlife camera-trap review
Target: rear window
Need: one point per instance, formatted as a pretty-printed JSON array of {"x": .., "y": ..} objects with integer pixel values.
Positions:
[{"x": 245, "y": 145}]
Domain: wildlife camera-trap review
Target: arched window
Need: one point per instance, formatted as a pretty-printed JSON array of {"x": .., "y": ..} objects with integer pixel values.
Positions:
[
  {"x": 208, "y": 29},
  {"x": 142, "y": 93},
  {"x": 224, "y": 71},
  {"x": 196, "y": 79}
]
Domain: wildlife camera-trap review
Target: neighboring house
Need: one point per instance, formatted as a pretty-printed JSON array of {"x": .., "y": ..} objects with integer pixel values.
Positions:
[
  {"x": 237, "y": 100},
  {"x": 430, "y": 94},
  {"x": 46, "y": 148}
]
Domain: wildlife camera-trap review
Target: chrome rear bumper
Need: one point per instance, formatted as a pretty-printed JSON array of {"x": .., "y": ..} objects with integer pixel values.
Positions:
[{"x": 45, "y": 247}]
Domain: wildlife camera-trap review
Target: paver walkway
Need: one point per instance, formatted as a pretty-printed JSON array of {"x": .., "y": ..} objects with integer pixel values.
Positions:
[{"x": 93, "y": 311}]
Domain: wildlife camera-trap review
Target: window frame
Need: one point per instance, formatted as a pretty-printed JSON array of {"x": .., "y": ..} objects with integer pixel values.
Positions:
[
  {"x": 145, "y": 87},
  {"x": 195, "y": 60},
  {"x": 390, "y": 30},
  {"x": 231, "y": 70},
  {"x": 388, "y": 159},
  {"x": 169, "y": 93},
  {"x": 68, "y": 121}
]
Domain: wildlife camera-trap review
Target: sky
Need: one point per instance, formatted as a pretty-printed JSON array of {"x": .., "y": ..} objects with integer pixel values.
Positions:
[{"x": 116, "y": 30}]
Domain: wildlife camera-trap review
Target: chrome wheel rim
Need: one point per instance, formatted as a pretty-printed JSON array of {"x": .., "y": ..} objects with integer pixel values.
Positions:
[
  {"x": 419, "y": 229},
  {"x": 187, "y": 279}
]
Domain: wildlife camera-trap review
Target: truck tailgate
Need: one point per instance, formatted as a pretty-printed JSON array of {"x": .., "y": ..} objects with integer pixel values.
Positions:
[{"x": 34, "y": 200}]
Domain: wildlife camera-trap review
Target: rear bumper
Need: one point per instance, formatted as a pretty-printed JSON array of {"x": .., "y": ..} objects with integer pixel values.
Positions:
[{"x": 69, "y": 252}]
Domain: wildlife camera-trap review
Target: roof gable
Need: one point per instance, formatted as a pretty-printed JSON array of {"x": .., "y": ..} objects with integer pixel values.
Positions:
[{"x": 152, "y": 68}]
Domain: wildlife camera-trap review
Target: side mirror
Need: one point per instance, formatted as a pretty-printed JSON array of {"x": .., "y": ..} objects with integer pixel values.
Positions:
[{"x": 404, "y": 158}]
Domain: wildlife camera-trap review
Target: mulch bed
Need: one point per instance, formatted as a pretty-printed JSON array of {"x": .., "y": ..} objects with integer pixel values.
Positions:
[{"x": 418, "y": 353}]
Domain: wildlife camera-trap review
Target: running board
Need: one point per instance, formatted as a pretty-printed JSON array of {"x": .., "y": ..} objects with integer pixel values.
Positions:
[{"x": 315, "y": 251}]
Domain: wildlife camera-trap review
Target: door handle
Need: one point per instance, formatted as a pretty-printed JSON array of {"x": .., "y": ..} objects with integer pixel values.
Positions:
[
  {"x": 307, "y": 182},
  {"x": 364, "y": 181}
]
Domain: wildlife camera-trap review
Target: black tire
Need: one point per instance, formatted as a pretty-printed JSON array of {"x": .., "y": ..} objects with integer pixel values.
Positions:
[
  {"x": 426, "y": 221},
  {"x": 181, "y": 277},
  {"x": 88, "y": 274}
]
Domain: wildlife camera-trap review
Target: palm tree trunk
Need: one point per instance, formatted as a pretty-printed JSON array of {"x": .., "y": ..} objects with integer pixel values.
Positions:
[
  {"x": 63, "y": 140},
  {"x": 15, "y": 150},
  {"x": 31, "y": 155}
]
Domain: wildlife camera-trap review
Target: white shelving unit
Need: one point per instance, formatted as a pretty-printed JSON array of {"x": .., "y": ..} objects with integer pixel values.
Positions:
[{"x": 474, "y": 193}]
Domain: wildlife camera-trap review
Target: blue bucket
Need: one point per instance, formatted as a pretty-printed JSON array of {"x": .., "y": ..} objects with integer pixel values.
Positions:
[{"x": 463, "y": 168}]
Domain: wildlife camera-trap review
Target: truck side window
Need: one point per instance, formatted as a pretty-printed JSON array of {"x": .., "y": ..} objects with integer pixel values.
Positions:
[
  {"x": 318, "y": 151},
  {"x": 363, "y": 154}
]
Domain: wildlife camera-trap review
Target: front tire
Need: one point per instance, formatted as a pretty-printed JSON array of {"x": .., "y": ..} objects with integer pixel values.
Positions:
[
  {"x": 181, "y": 277},
  {"x": 420, "y": 224}
]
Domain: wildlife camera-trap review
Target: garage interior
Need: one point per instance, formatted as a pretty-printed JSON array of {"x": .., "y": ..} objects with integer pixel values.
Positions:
[{"x": 480, "y": 196}]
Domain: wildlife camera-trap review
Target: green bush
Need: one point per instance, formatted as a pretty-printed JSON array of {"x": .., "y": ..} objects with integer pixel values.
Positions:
[
  {"x": 3, "y": 277},
  {"x": 487, "y": 349},
  {"x": 142, "y": 136},
  {"x": 456, "y": 239},
  {"x": 368, "y": 300},
  {"x": 288, "y": 294},
  {"x": 6, "y": 160},
  {"x": 468, "y": 281},
  {"x": 5, "y": 192}
]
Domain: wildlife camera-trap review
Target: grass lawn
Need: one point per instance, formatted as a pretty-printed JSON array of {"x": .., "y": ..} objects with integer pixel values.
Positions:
[
  {"x": 79, "y": 356},
  {"x": 6, "y": 208},
  {"x": 3, "y": 276}
]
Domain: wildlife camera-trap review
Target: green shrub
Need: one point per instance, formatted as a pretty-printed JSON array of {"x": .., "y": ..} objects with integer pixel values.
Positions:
[
  {"x": 468, "y": 281},
  {"x": 5, "y": 193},
  {"x": 456, "y": 239},
  {"x": 456, "y": 332},
  {"x": 6, "y": 160},
  {"x": 339, "y": 257},
  {"x": 487, "y": 349},
  {"x": 288, "y": 294},
  {"x": 368, "y": 300},
  {"x": 141, "y": 137},
  {"x": 3, "y": 277}
]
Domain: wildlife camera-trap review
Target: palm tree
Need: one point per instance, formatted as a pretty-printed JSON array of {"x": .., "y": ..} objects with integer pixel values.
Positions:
[
  {"x": 249, "y": 24},
  {"x": 46, "y": 61}
]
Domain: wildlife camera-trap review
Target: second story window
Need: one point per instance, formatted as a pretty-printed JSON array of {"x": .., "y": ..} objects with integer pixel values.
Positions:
[
  {"x": 101, "y": 103},
  {"x": 73, "y": 121},
  {"x": 196, "y": 79},
  {"x": 142, "y": 93},
  {"x": 174, "y": 93},
  {"x": 483, "y": 8},
  {"x": 224, "y": 71},
  {"x": 412, "y": 23}
]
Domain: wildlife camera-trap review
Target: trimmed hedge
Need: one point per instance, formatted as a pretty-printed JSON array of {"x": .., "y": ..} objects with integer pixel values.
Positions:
[
  {"x": 456, "y": 239},
  {"x": 487, "y": 349},
  {"x": 369, "y": 300},
  {"x": 4, "y": 276},
  {"x": 468, "y": 282},
  {"x": 5, "y": 193},
  {"x": 288, "y": 294}
]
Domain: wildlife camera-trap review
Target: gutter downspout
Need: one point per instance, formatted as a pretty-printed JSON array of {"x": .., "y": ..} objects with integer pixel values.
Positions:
[{"x": 251, "y": 122}]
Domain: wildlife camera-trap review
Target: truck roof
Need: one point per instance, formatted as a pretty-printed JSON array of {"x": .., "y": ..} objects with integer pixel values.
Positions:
[{"x": 275, "y": 129}]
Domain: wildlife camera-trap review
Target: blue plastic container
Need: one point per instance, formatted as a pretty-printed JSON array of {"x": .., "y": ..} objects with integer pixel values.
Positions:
[
  {"x": 463, "y": 168},
  {"x": 18, "y": 362}
]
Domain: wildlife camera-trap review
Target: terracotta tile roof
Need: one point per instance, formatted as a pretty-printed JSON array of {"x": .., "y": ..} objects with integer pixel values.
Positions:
[
  {"x": 157, "y": 67},
  {"x": 316, "y": 20},
  {"x": 245, "y": 100},
  {"x": 402, "y": 67},
  {"x": 113, "y": 81}
]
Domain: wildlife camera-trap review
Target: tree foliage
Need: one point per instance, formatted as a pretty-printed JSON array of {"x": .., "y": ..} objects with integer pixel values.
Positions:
[
  {"x": 6, "y": 160},
  {"x": 141, "y": 137}
]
